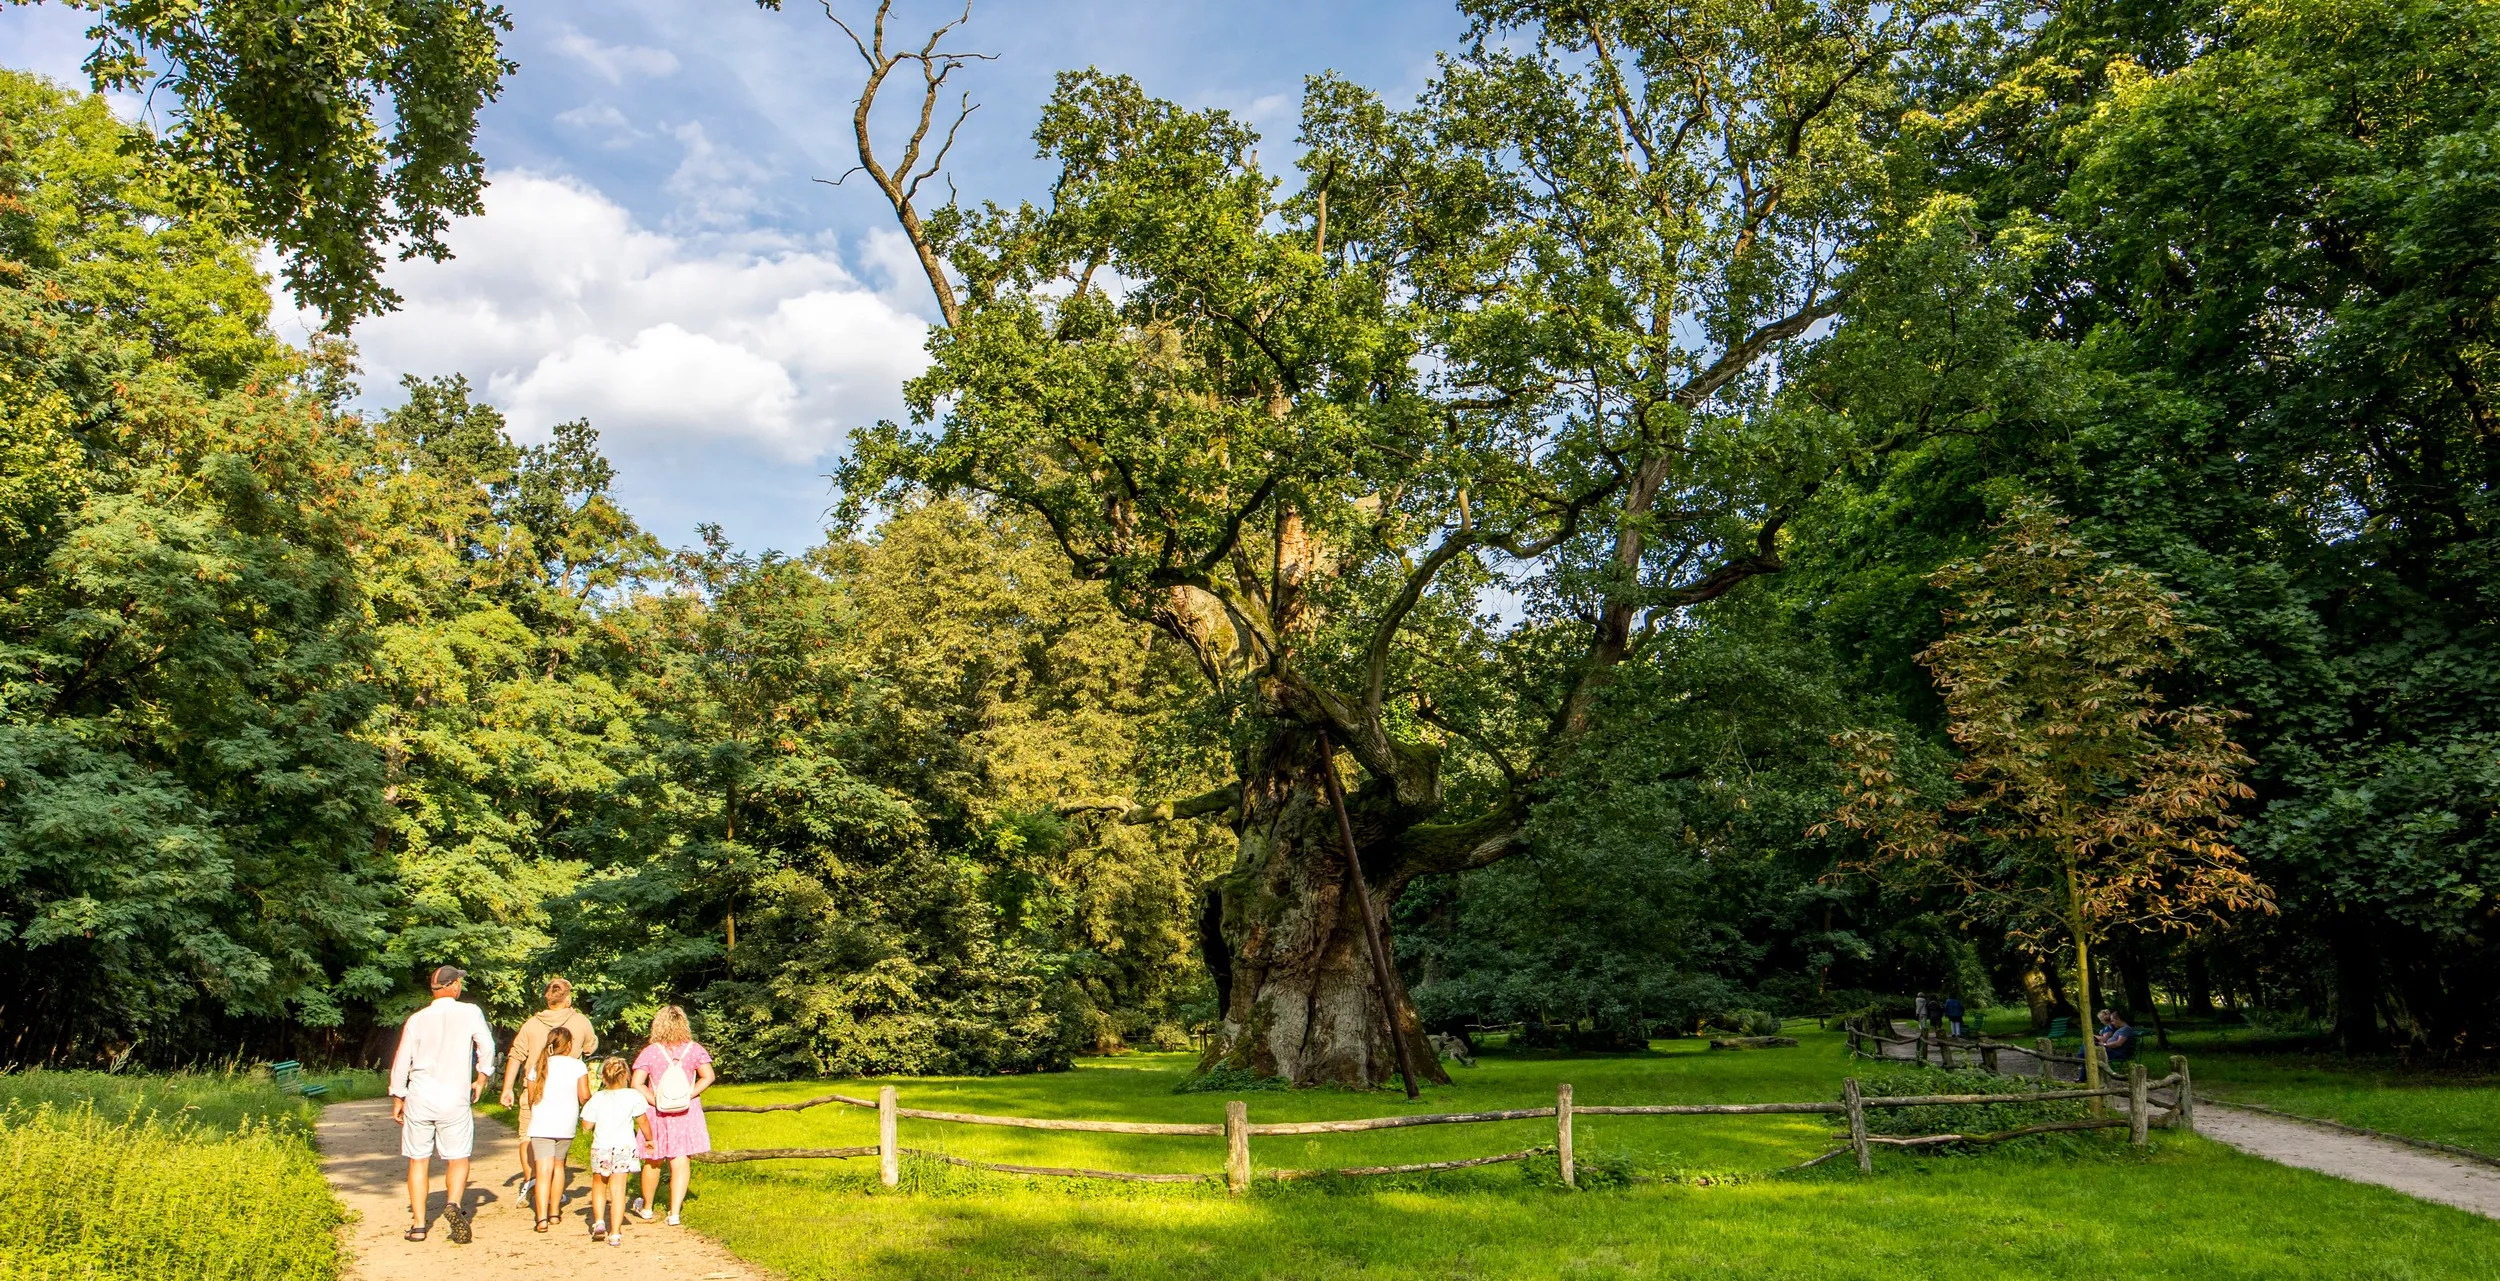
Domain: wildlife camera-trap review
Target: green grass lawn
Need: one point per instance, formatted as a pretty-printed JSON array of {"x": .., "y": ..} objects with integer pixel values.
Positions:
[
  {"x": 2091, "y": 1207},
  {"x": 2445, "y": 1106},
  {"x": 207, "y": 1175}
]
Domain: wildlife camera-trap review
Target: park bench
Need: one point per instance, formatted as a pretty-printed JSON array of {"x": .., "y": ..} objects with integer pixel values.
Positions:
[
  {"x": 2061, "y": 1027},
  {"x": 290, "y": 1076}
]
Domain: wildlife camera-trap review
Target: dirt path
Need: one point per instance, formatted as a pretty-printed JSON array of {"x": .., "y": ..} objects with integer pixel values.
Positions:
[
  {"x": 360, "y": 1154},
  {"x": 2431, "y": 1176}
]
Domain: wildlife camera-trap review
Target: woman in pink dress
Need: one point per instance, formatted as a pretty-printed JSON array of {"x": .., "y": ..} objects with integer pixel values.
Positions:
[{"x": 677, "y": 1135}]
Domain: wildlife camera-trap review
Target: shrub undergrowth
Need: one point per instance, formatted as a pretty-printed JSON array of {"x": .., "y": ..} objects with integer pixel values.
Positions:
[{"x": 207, "y": 1176}]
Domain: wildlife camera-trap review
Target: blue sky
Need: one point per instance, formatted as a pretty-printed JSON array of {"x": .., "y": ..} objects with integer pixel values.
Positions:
[{"x": 656, "y": 256}]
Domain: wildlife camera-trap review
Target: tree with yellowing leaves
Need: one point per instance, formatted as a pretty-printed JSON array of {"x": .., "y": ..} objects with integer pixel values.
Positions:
[{"x": 2080, "y": 803}]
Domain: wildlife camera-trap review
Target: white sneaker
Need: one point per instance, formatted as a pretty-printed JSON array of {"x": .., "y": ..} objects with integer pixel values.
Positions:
[
  {"x": 526, "y": 1186},
  {"x": 644, "y": 1213},
  {"x": 672, "y": 1218},
  {"x": 635, "y": 1205},
  {"x": 598, "y": 1229}
]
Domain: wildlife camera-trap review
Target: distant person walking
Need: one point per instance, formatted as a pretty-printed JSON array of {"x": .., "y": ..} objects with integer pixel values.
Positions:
[
  {"x": 1953, "y": 1014},
  {"x": 446, "y": 1054},
  {"x": 1921, "y": 1014},
  {"x": 526, "y": 1044},
  {"x": 672, "y": 1072}
]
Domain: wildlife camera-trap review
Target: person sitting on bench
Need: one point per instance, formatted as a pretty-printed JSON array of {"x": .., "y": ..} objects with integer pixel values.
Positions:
[{"x": 2118, "y": 1037}]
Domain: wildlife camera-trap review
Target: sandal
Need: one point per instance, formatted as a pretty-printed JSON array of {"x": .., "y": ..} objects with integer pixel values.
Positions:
[
  {"x": 413, "y": 1234},
  {"x": 542, "y": 1225}
]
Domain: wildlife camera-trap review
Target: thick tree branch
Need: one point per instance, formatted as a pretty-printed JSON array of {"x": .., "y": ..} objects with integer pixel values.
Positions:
[{"x": 1131, "y": 814}]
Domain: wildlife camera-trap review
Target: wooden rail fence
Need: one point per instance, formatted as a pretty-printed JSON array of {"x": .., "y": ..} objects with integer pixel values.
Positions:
[{"x": 1237, "y": 1129}]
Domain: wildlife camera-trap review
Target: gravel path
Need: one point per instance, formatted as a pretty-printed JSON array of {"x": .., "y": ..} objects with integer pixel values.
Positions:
[
  {"x": 360, "y": 1154},
  {"x": 2432, "y": 1176}
]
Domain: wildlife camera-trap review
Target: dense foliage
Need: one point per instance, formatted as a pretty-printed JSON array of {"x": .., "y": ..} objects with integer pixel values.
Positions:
[{"x": 1565, "y": 460}]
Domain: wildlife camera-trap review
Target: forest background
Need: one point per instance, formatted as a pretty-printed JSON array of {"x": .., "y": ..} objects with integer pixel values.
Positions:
[{"x": 296, "y": 702}]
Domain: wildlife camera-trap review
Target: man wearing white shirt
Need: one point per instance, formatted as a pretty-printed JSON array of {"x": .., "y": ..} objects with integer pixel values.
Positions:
[{"x": 446, "y": 1053}]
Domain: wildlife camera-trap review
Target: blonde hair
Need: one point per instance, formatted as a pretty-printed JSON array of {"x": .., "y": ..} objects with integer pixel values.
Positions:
[
  {"x": 559, "y": 1041},
  {"x": 669, "y": 1027},
  {"x": 613, "y": 1073}
]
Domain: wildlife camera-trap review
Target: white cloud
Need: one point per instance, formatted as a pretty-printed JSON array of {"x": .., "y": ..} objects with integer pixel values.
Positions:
[
  {"x": 614, "y": 61},
  {"x": 613, "y": 129},
  {"x": 558, "y": 305},
  {"x": 714, "y": 188}
]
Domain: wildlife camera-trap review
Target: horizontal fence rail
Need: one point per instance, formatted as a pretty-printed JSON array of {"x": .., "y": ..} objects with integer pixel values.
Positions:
[{"x": 1237, "y": 1131}]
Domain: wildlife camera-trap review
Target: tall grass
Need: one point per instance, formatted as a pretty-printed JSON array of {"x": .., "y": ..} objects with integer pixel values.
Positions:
[{"x": 196, "y": 1175}]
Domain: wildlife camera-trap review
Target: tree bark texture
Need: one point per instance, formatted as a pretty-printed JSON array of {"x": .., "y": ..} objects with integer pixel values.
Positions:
[{"x": 1302, "y": 1003}]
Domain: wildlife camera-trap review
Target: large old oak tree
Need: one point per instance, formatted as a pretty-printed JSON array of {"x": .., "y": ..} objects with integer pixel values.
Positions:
[{"x": 1584, "y": 329}]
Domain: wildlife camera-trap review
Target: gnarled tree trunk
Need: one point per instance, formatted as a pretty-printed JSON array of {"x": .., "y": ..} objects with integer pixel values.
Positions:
[{"x": 1301, "y": 1001}]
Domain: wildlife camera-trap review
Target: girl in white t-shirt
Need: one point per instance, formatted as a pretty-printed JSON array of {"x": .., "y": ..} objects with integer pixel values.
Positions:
[
  {"x": 559, "y": 1086},
  {"x": 619, "y": 1120}
]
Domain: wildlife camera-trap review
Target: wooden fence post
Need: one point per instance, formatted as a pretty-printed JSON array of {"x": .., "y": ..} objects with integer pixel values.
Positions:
[
  {"x": 1562, "y": 1133},
  {"x": 1236, "y": 1147},
  {"x": 2183, "y": 1113},
  {"x": 2139, "y": 1106},
  {"x": 1944, "y": 1051},
  {"x": 1921, "y": 1051},
  {"x": 2041, "y": 1050},
  {"x": 1988, "y": 1057},
  {"x": 889, "y": 1159},
  {"x": 1857, "y": 1124}
]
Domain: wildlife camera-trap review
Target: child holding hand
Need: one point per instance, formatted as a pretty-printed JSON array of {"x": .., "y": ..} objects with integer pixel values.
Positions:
[{"x": 620, "y": 1122}]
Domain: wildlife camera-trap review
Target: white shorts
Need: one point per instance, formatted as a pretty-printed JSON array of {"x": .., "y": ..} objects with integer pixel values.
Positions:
[
  {"x": 615, "y": 1160},
  {"x": 451, "y": 1139}
]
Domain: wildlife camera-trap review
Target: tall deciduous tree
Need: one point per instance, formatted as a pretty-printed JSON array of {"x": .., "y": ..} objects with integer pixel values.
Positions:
[
  {"x": 184, "y": 810},
  {"x": 1527, "y": 330},
  {"x": 335, "y": 131},
  {"x": 2081, "y": 804}
]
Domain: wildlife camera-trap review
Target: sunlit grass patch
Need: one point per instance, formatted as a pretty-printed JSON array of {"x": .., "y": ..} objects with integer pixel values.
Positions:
[
  {"x": 209, "y": 1176},
  {"x": 1702, "y": 1197}
]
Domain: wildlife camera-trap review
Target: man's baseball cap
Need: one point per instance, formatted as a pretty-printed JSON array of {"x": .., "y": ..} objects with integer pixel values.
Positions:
[{"x": 446, "y": 975}]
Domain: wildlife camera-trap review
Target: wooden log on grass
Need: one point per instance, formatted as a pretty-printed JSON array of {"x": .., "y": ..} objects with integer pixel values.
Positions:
[
  {"x": 801, "y": 1106},
  {"x": 1359, "y": 1171},
  {"x": 1704, "y": 1109},
  {"x": 1999, "y": 1136},
  {"x": 1063, "y": 1172},
  {"x": 1949, "y": 1100},
  {"x": 1397, "y": 1122},
  {"x": 1201, "y": 1130},
  {"x": 733, "y": 1156}
]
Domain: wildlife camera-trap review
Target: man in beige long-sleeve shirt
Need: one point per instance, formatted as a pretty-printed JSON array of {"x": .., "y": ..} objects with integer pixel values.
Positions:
[
  {"x": 446, "y": 1054},
  {"x": 524, "y": 1057}
]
